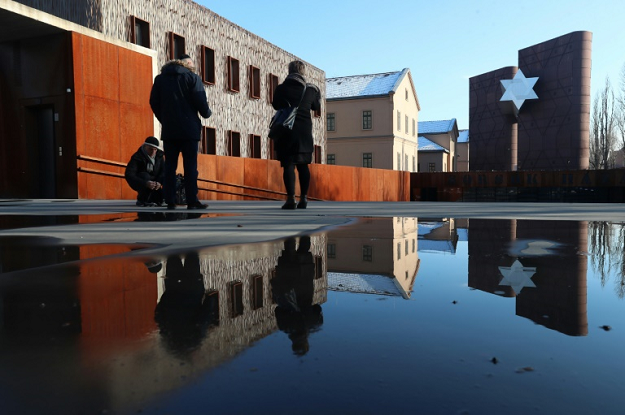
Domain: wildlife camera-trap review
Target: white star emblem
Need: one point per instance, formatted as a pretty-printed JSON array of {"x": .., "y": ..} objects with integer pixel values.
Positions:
[
  {"x": 517, "y": 276},
  {"x": 518, "y": 89}
]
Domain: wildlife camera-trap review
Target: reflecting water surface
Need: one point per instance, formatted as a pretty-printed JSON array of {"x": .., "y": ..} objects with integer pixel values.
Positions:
[{"x": 398, "y": 315}]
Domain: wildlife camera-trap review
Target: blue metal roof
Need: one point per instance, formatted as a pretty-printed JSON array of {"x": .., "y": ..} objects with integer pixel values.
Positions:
[
  {"x": 427, "y": 145},
  {"x": 436, "y": 127},
  {"x": 463, "y": 136},
  {"x": 359, "y": 86}
]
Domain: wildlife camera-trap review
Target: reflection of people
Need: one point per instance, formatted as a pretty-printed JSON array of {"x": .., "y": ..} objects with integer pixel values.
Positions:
[
  {"x": 184, "y": 312},
  {"x": 145, "y": 172},
  {"x": 177, "y": 96},
  {"x": 297, "y": 153},
  {"x": 293, "y": 290}
]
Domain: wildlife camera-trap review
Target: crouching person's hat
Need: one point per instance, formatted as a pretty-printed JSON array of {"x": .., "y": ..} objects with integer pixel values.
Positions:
[{"x": 153, "y": 142}]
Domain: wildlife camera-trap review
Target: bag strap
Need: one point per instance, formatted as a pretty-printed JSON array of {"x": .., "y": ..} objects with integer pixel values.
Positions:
[{"x": 302, "y": 98}]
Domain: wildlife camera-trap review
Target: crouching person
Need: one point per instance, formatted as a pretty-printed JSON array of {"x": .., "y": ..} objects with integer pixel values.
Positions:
[{"x": 145, "y": 172}]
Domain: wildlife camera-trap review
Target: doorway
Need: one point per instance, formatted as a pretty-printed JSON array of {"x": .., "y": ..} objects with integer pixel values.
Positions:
[{"x": 41, "y": 157}]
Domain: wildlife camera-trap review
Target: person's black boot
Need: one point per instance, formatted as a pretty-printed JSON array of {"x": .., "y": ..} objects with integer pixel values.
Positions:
[
  {"x": 303, "y": 202},
  {"x": 290, "y": 203}
]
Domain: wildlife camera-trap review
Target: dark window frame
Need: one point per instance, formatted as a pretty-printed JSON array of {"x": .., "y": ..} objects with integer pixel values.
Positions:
[
  {"x": 174, "y": 43},
  {"x": 367, "y": 253},
  {"x": 234, "y": 143},
  {"x": 367, "y": 119},
  {"x": 145, "y": 27},
  {"x": 367, "y": 160},
  {"x": 233, "y": 82},
  {"x": 331, "y": 121},
  {"x": 208, "y": 142},
  {"x": 207, "y": 66},
  {"x": 317, "y": 155},
  {"x": 272, "y": 83},
  {"x": 255, "y": 142},
  {"x": 331, "y": 162},
  {"x": 254, "y": 78},
  {"x": 257, "y": 291}
]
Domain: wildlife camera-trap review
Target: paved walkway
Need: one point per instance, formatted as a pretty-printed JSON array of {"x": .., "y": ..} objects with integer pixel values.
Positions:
[{"x": 238, "y": 222}]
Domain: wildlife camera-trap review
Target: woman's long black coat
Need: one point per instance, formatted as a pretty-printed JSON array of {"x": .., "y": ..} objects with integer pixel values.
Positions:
[{"x": 288, "y": 94}]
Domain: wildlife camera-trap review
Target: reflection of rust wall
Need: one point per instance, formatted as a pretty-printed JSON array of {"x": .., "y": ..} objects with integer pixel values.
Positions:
[
  {"x": 488, "y": 243},
  {"x": 493, "y": 144},
  {"x": 554, "y": 130},
  {"x": 559, "y": 300}
]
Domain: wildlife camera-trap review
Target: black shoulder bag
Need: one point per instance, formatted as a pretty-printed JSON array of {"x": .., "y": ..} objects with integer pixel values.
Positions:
[{"x": 281, "y": 125}]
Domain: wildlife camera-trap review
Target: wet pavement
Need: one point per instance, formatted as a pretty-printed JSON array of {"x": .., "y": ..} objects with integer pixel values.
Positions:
[{"x": 461, "y": 308}]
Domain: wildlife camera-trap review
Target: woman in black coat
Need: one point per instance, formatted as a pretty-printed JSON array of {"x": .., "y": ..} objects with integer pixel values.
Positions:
[{"x": 297, "y": 153}]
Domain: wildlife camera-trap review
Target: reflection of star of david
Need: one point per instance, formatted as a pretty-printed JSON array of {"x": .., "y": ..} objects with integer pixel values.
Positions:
[
  {"x": 518, "y": 89},
  {"x": 517, "y": 276}
]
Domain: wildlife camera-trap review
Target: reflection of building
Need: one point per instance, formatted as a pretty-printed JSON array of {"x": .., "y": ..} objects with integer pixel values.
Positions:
[
  {"x": 558, "y": 300},
  {"x": 438, "y": 235},
  {"x": 103, "y": 314},
  {"x": 375, "y": 256}
]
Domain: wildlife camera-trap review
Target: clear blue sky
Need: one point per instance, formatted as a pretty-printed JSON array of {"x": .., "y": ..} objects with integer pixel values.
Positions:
[{"x": 443, "y": 42}]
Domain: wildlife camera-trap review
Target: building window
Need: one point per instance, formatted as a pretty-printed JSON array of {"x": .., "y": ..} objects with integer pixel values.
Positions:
[
  {"x": 406, "y": 162},
  {"x": 331, "y": 251},
  {"x": 208, "y": 65},
  {"x": 254, "y": 82},
  {"x": 414, "y": 161},
  {"x": 406, "y": 247},
  {"x": 254, "y": 146},
  {"x": 271, "y": 154},
  {"x": 367, "y": 120},
  {"x": 317, "y": 154},
  {"x": 398, "y": 161},
  {"x": 211, "y": 300},
  {"x": 235, "y": 297},
  {"x": 139, "y": 32},
  {"x": 367, "y": 253},
  {"x": 413, "y": 246},
  {"x": 176, "y": 46},
  {"x": 257, "y": 292},
  {"x": 406, "y": 94},
  {"x": 367, "y": 160},
  {"x": 318, "y": 267},
  {"x": 330, "y": 121},
  {"x": 233, "y": 74},
  {"x": 273, "y": 83},
  {"x": 398, "y": 250},
  {"x": 406, "y": 123},
  {"x": 208, "y": 143},
  {"x": 413, "y": 127},
  {"x": 331, "y": 159},
  {"x": 431, "y": 167},
  {"x": 398, "y": 121},
  {"x": 234, "y": 144}
]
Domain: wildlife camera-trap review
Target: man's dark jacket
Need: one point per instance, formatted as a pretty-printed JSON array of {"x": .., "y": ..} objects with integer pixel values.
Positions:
[
  {"x": 176, "y": 98},
  {"x": 137, "y": 170}
]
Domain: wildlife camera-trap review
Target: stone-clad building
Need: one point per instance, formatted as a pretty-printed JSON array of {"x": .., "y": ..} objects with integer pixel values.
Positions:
[{"x": 83, "y": 80}]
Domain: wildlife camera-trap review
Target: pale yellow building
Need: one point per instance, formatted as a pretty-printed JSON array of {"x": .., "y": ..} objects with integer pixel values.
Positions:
[
  {"x": 372, "y": 121},
  {"x": 438, "y": 144}
]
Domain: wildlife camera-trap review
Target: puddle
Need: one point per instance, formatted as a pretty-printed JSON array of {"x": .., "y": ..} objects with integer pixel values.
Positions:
[{"x": 399, "y": 315}]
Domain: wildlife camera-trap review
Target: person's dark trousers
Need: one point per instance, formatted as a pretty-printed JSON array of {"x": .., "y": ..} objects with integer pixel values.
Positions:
[
  {"x": 146, "y": 195},
  {"x": 173, "y": 148},
  {"x": 288, "y": 175}
]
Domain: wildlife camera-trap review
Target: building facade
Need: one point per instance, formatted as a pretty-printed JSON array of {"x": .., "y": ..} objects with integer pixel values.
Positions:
[
  {"x": 372, "y": 121},
  {"x": 76, "y": 75},
  {"x": 438, "y": 140}
]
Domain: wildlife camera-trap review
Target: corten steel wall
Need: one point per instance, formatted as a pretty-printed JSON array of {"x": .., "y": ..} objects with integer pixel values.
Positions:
[
  {"x": 34, "y": 76},
  {"x": 328, "y": 182},
  {"x": 111, "y": 90},
  {"x": 551, "y": 186},
  {"x": 554, "y": 130},
  {"x": 199, "y": 26},
  {"x": 493, "y": 144}
]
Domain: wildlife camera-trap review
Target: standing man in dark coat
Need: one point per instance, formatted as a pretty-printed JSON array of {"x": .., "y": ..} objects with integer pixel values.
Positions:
[
  {"x": 177, "y": 97},
  {"x": 297, "y": 152},
  {"x": 145, "y": 172}
]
